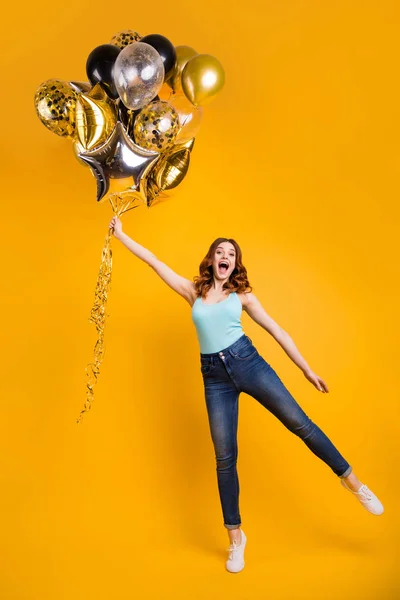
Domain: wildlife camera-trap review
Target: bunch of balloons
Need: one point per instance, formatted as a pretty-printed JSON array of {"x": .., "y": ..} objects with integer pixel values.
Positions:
[{"x": 134, "y": 124}]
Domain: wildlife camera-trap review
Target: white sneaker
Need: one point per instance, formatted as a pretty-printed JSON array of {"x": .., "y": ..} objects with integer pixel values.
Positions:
[
  {"x": 235, "y": 562},
  {"x": 366, "y": 497}
]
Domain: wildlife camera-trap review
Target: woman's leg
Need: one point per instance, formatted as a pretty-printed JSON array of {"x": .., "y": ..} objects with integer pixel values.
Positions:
[
  {"x": 352, "y": 481},
  {"x": 222, "y": 402},
  {"x": 266, "y": 387}
]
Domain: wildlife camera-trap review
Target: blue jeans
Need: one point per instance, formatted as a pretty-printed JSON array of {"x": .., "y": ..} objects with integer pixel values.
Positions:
[{"x": 240, "y": 368}]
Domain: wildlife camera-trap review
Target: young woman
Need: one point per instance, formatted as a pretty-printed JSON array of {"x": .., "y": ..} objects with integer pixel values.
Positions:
[{"x": 231, "y": 364}]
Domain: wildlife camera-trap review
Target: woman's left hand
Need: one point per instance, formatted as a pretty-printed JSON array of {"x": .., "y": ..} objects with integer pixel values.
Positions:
[{"x": 317, "y": 381}]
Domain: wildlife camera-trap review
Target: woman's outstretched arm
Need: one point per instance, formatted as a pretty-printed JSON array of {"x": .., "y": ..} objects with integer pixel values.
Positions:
[
  {"x": 184, "y": 287},
  {"x": 255, "y": 310}
]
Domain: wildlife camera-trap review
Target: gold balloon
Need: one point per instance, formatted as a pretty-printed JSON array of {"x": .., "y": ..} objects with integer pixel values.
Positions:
[
  {"x": 55, "y": 103},
  {"x": 96, "y": 115},
  {"x": 202, "y": 78},
  {"x": 77, "y": 148},
  {"x": 80, "y": 86},
  {"x": 125, "y": 37},
  {"x": 171, "y": 169},
  {"x": 156, "y": 126},
  {"x": 189, "y": 144},
  {"x": 168, "y": 172},
  {"x": 153, "y": 194},
  {"x": 183, "y": 55}
]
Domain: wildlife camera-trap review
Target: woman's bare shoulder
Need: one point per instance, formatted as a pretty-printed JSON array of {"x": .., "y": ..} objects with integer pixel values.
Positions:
[{"x": 245, "y": 298}]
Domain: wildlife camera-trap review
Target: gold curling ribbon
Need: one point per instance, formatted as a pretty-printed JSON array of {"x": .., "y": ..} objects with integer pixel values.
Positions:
[{"x": 120, "y": 203}]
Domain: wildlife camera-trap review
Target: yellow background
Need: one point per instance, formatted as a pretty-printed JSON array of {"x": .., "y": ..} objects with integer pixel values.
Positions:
[{"x": 298, "y": 159}]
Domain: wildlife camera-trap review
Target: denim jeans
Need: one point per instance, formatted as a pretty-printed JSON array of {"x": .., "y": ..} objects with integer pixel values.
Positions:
[{"x": 240, "y": 368}]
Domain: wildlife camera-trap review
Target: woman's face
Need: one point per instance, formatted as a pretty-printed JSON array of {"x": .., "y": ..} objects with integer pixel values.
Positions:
[{"x": 224, "y": 261}]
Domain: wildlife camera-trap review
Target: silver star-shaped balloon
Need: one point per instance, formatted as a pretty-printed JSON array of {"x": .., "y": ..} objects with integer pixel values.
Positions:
[{"x": 119, "y": 157}]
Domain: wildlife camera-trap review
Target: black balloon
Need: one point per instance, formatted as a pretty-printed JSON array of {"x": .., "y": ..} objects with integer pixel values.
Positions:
[
  {"x": 164, "y": 48},
  {"x": 100, "y": 66}
]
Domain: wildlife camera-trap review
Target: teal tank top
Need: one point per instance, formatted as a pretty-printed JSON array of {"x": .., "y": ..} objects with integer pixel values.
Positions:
[{"x": 218, "y": 325}]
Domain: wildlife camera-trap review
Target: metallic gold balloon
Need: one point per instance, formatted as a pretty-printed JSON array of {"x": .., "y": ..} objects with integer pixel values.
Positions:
[
  {"x": 96, "y": 115},
  {"x": 156, "y": 126},
  {"x": 168, "y": 172},
  {"x": 172, "y": 169},
  {"x": 189, "y": 144},
  {"x": 55, "y": 103},
  {"x": 80, "y": 86},
  {"x": 125, "y": 37},
  {"x": 153, "y": 194},
  {"x": 183, "y": 55},
  {"x": 202, "y": 78},
  {"x": 77, "y": 148}
]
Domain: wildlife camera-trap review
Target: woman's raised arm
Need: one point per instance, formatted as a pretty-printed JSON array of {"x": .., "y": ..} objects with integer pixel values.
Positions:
[{"x": 184, "y": 287}]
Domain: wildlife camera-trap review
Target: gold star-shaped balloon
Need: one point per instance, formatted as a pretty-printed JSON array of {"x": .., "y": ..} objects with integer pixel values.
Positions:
[
  {"x": 80, "y": 86},
  {"x": 95, "y": 117},
  {"x": 119, "y": 157},
  {"x": 170, "y": 170}
]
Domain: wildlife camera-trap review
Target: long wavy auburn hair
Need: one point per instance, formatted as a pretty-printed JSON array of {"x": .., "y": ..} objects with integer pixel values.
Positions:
[{"x": 237, "y": 281}]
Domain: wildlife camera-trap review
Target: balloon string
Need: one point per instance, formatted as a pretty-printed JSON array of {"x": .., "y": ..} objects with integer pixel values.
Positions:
[{"x": 120, "y": 204}]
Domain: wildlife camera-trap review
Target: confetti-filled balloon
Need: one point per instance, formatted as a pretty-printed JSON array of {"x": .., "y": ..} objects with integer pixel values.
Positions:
[
  {"x": 138, "y": 74},
  {"x": 156, "y": 126},
  {"x": 124, "y": 38},
  {"x": 55, "y": 103}
]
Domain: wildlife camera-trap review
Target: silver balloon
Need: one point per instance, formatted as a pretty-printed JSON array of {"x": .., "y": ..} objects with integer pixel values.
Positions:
[
  {"x": 118, "y": 158},
  {"x": 138, "y": 74}
]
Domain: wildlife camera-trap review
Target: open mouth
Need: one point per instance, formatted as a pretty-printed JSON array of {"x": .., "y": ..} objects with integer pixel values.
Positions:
[{"x": 223, "y": 266}]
